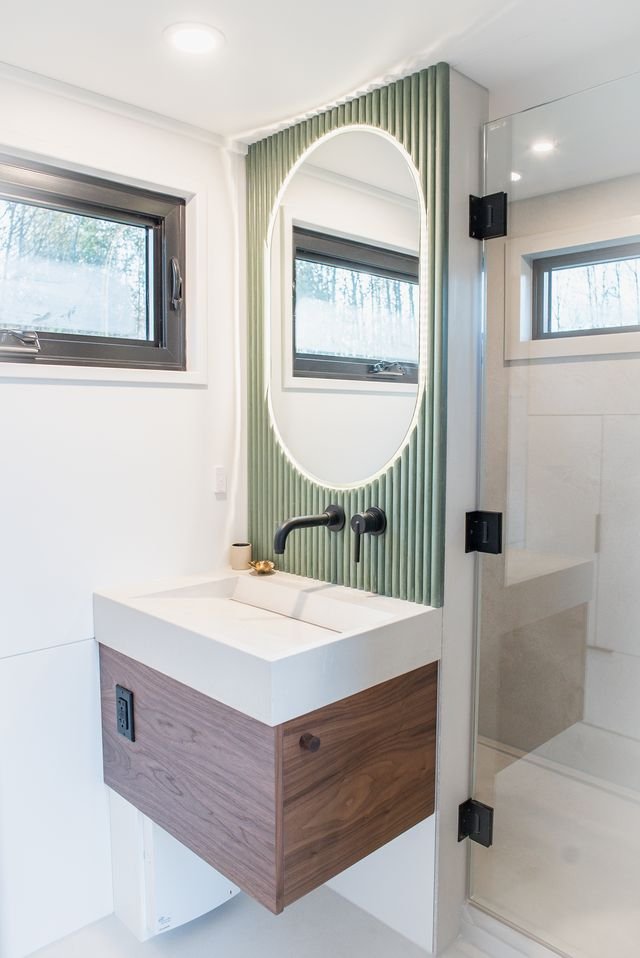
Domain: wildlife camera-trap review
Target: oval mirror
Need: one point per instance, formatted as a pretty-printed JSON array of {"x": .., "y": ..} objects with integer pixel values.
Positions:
[{"x": 344, "y": 298}]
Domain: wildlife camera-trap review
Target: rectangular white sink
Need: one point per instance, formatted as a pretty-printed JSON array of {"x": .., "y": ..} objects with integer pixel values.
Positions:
[{"x": 274, "y": 647}]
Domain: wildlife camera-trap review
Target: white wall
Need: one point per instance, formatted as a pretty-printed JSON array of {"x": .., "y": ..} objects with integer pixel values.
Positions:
[
  {"x": 397, "y": 883},
  {"x": 54, "y": 840},
  {"x": 339, "y": 432},
  {"x": 101, "y": 481}
]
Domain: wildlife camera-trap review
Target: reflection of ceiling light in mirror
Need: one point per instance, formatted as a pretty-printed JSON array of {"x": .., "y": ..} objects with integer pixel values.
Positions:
[
  {"x": 194, "y": 37},
  {"x": 515, "y": 176},
  {"x": 543, "y": 146}
]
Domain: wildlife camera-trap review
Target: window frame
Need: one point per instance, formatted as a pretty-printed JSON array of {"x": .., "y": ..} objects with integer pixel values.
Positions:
[
  {"x": 542, "y": 266},
  {"x": 163, "y": 214},
  {"x": 341, "y": 252}
]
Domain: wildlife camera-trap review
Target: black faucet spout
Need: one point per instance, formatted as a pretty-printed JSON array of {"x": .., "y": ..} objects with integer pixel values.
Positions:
[{"x": 332, "y": 519}]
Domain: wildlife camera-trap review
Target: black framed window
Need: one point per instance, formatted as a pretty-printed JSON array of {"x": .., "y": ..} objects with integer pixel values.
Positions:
[
  {"x": 90, "y": 271},
  {"x": 587, "y": 292},
  {"x": 355, "y": 310}
]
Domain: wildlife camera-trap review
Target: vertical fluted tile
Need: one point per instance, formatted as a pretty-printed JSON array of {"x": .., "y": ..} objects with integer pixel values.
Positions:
[{"x": 408, "y": 560}]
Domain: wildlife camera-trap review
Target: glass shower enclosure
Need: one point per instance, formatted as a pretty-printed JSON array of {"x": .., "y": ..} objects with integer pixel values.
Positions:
[{"x": 558, "y": 691}]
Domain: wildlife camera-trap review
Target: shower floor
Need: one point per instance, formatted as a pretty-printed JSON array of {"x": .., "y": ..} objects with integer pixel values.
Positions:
[{"x": 564, "y": 864}]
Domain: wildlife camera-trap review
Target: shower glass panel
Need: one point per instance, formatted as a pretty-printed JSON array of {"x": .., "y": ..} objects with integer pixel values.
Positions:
[{"x": 558, "y": 734}]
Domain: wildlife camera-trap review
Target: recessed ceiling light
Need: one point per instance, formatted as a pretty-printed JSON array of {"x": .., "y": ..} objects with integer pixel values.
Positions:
[
  {"x": 515, "y": 176},
  {"x": 543, "y": 146},
  {"x": 194, "y": 37}
]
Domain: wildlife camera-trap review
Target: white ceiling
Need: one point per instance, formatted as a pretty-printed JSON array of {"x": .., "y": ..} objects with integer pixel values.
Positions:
[{"x": 284, "y": 58}]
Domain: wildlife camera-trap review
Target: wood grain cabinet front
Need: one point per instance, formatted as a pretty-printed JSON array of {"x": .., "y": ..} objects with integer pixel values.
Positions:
[{"x": 278, "y": 810}]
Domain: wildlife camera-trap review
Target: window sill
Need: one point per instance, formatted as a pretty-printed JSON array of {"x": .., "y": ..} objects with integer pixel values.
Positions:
[
  {"x": 601, "y": 344},
  {"x": 381, "y": 387},
  {"x": 13, "y": 372}
]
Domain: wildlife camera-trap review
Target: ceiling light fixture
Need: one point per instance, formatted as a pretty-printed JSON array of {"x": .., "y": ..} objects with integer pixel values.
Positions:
[
  {"x": 198, "y": 38},
  {"x": 515, "y": 176},
  {"x": 543, "y": 146}
]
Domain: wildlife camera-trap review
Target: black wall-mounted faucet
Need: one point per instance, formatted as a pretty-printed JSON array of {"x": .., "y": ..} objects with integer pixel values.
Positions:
[
  {"x": 332, "y": 519},
  {"x": 373, "y": 522}
]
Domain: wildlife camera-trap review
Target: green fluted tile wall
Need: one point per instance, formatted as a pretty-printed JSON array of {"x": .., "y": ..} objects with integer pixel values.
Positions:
[{"x": 407, "y": 561}]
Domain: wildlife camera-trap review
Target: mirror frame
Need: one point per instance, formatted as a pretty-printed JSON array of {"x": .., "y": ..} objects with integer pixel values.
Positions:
[{"x": 407, "y": 561}]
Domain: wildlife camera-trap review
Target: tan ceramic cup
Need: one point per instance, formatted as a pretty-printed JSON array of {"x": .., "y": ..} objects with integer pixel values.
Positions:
[{"x": 240, "y": 556}]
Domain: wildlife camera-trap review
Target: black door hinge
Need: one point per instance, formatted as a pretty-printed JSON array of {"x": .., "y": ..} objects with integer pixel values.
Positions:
[
  {"x": 483, "y": 532},
  {"x": 488, "y": 216},
  {"x": 475, "y": 821}
]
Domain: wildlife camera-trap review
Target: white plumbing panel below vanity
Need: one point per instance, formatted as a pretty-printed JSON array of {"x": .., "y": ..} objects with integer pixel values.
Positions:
[{"x": 159, "y": 884}]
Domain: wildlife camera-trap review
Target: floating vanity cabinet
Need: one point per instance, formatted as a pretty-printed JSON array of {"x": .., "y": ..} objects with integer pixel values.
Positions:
[{"x": 278, "y": 809}]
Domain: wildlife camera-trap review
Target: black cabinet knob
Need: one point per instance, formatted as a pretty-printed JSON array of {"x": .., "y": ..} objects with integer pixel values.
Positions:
[{"x": 309, "y": 742}]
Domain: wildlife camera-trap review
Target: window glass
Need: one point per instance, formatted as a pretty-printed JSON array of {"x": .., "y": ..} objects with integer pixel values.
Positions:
[
  {"x": 63, "y": 272},
  {"x": 90, "y": 270},
  {"x": 597, "y": 291}
]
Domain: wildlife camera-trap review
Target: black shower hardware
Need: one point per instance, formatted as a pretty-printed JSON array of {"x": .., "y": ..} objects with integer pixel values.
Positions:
[{"x": 373, "y": 522}]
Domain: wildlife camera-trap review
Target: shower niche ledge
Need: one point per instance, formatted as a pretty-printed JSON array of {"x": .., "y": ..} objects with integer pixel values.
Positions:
[{"x": 283, "y": 728}]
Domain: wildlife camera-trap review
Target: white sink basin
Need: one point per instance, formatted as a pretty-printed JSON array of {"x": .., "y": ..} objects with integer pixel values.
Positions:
[
  {"x": 285, "y": 597},
  {"x": 274, "y": 647}
]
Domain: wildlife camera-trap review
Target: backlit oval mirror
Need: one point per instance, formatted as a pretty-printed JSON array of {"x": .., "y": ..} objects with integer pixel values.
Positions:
[{"x": 345, "y": 307}]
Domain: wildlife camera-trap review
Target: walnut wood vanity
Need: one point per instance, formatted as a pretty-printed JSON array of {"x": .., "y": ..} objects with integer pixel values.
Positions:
[{"x": 277, "y": 809}]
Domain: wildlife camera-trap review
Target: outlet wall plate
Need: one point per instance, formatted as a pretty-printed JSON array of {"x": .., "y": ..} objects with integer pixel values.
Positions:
[{"x": 124, "y": 713}]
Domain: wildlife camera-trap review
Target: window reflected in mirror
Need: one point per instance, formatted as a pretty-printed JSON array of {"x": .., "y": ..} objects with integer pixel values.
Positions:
[{"x": 355, "y": 309}]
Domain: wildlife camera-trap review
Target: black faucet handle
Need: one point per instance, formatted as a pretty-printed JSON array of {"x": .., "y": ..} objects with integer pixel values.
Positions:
[{"x": 372, "y": 522}]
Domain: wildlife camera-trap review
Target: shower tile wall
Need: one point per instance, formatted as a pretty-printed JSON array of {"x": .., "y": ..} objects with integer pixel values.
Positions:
[{"x": 563, "y": 462}]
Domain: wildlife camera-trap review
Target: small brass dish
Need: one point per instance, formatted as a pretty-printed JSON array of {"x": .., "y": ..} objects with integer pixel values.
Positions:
[{"x": 263, "y": 567}]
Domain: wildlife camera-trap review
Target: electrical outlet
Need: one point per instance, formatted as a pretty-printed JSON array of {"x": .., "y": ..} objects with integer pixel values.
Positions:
[{"x": 124, "y": 713}]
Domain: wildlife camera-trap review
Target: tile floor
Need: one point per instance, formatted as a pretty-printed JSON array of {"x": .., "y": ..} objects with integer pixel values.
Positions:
[{"x": 322, "y": 925}]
